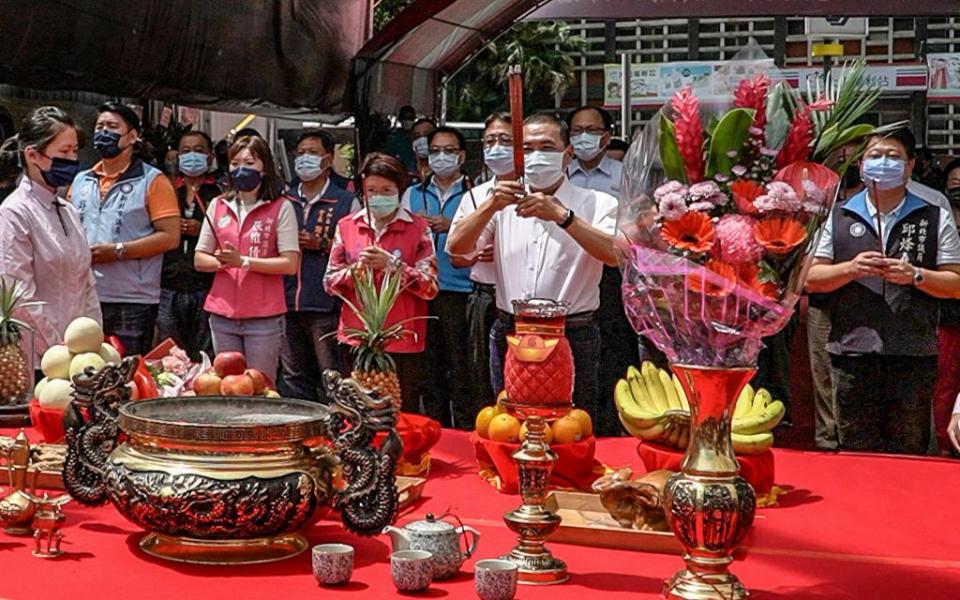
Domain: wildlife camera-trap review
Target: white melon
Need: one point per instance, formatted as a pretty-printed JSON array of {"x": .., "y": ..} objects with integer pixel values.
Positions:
[
  {"x": 57, "y": 394},
  {"x": 87, "y": 359},
  {"x": 55, "y": 363},
  {"x": 39, "y": 387},
  {"x": 83, "y": 335},
  {"x": 109, "y": 354}
]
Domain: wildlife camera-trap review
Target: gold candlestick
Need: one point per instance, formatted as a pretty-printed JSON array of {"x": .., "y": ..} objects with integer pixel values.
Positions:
[{"x": 532, "y": 522}]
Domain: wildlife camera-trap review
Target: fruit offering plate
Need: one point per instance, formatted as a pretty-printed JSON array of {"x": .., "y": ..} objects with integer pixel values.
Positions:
[
  {"x": 419, "y": 434},
  {"x": 576, "y": 466},
  {"x": 587, "y": 523},
  {"x": 758, "y": 469}
]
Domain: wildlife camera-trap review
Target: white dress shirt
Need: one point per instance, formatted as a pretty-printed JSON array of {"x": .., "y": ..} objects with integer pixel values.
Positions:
[
  {"x": 605, "y": 177},
  {"x": 481, "y": 272},
  {"x": 533, "y": 258}
]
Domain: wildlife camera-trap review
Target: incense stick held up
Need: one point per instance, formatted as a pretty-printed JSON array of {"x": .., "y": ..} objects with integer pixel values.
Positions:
[
  {"x": 515, "y": 83},
  {"x": 206, "y": 217},
  {"x": 876, "y": 204}
]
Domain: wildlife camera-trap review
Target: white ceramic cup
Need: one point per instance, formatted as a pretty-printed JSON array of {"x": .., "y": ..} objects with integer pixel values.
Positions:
[
  {"x": 333, "y": 563},
  {"x": 495, "y": 579},
  {"x": 411, "y": 570}
]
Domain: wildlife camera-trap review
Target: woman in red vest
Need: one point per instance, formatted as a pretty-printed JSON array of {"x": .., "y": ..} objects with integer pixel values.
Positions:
[
  {"x": 384, "y": 235},
  {"x": 254, "y": 246}
]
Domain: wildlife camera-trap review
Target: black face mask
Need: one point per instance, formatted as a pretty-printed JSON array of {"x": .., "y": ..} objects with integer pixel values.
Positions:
[
  {"x": 107, "y": 143},
  {"x": 851, "y": 178},
  {"x": 62, "y": 171},
  {"x": 953, "y": 195}
]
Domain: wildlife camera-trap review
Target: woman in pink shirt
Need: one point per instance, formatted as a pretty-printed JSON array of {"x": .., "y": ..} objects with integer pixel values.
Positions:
[
  {"x": 255, "y": 244},
  {"x": 384, "y": 236},
  {"x": 42, "y": 243}
]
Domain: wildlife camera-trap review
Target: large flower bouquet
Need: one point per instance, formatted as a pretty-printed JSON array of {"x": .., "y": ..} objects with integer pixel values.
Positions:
[{"x": 723, "y": 206}]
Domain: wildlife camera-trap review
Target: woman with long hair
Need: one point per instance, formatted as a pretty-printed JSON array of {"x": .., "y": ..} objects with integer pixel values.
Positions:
[
  {"x": 251, "y": 245},
  {"x": 42, "y": 244}
]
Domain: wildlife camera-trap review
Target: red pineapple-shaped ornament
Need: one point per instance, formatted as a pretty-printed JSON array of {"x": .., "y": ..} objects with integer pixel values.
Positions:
[
  {"x": 538, "y": 373},
  {"x": 688, "y": 130}
]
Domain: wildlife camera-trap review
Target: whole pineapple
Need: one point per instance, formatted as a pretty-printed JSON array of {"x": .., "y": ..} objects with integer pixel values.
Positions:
[
  {"x": 14, "y": 372},
  {"x": 373, "y": 367}
]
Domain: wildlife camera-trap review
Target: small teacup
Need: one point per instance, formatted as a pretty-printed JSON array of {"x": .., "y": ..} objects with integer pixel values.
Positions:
[
  {"x": 412, "y": 570},
  {"x": 333, "y": 563},
  {"x": 495, "y": 579}
]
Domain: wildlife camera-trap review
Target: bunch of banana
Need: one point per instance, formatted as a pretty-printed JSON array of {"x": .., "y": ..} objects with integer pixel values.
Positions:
[{"x": 653, "y": 406}]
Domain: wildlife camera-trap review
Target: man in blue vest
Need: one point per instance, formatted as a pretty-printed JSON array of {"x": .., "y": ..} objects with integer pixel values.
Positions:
[
  {"x": 437, "y": 199},
  {"x": 312, "y": 313},
  {"x": 886, "y": 255},
  {"x": 131, "y": 217}
]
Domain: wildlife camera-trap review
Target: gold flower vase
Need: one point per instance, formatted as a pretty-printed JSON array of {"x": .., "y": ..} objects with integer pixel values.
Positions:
[{"x": 709, "y": 506}]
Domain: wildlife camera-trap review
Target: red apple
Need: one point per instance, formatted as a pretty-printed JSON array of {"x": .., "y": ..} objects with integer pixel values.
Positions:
[
  {"x": 259, "y": 381},
  {"x": 207, "y": 384},
  {"x": 236, "y": 385},
  {"x": 230, "y": 363}
]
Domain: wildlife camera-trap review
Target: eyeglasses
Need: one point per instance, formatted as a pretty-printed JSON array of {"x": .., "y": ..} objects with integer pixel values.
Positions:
[
  {"x": 501, "y": 138},
  {"x": 593, "y": 130},
  {"x": 446, "y": 150}
]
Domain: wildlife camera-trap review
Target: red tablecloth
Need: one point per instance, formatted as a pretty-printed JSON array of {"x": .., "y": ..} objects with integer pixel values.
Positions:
[{"x": 851, "y": 527}]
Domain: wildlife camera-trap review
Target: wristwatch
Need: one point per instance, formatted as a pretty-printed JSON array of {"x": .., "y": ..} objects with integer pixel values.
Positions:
[
  {"x": 245, "y": 263},
  {"x": 121, "y": 251},
  {"x": 918, "y": 276},
  {"x": 568, "y": 220}
]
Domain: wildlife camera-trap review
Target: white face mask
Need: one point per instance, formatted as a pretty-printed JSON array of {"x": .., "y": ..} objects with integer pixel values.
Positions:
[
  {"x": 586, "y": 146},
  {"x": 421, "y": 147},
  {"x": 542, "y": 169},
  {"x": 499, "y": 159}
]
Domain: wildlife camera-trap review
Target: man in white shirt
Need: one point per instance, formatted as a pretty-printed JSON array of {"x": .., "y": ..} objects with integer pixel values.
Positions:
[
  {"x": 549, "y": 242},
  {"x": 590, "y": 136},
  {"x": 481, "y": 303}
]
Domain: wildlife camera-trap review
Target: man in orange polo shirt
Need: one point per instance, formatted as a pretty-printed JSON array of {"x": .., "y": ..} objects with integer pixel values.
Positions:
[{"x": 130, "y": 216}]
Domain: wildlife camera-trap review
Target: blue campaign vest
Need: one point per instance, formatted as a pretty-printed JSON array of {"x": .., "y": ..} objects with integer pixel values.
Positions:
[
  {"x": 121, "y": 217},
  {"x": 425, "y": 199},
  {"x": 304, "y": 291}
]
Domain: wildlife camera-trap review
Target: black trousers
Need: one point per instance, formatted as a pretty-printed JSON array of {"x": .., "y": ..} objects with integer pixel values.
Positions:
[
  {"x": 481, "y": 313},
  {"x": 883, "y": 402},
  {"x": 618, "y": 350},
  {"x": 447, "y": 397}
]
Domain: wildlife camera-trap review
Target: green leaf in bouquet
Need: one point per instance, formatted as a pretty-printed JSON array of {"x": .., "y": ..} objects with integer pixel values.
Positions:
[
  {"x": 779, "y": 110},
  {"x": 827, "y": 140},
  {"x": 768, "y": 274},
  {"x": 673, "y": 166},
  {"x": 728, "y": 138}
]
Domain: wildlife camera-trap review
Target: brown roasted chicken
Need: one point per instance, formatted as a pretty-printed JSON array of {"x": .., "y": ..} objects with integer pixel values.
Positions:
[{"x": 636, "y": 503}]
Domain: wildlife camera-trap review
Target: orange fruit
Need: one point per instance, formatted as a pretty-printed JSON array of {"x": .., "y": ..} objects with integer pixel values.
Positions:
[
  {"x": 484, "y": 417},
  {"x": 586, "y": 423},
  {"x": 504, "y": 428},
  {"x": 566, "y": 430},
  {"x": 547, "y": 433}
]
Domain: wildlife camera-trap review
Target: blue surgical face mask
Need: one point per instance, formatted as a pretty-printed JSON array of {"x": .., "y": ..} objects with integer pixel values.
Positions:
[
  {"x": 382, "y": 206},
  {"x": 107, "y": 143},
  {"x": 192, "y": 164},
  {"x": 245, "y": 178},
  {"x": 444, "y": 164},
  {"x": 887, "y": 171},
  {"x": 542, "y": 169},
  {"x": 586, "y": 146},
  {"x": 62, "y": 171},
  {"x": 308, "y": 166},
  {"x": 421, "y": 147},
  {"x": 499, "y": 159}
]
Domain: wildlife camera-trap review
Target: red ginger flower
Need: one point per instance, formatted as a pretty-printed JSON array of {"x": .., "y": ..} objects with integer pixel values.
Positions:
[
  {"x": 799, "y": 137},
  {"x": 689, "y": 133},
  {"x": 752, "y": 93}
]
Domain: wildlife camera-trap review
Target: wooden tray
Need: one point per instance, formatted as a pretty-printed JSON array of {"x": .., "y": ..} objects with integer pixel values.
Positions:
[
  {"x": 587, "y": 523},
  {"x": 410, "y": 489},
  {"x": 48, "y": 457}
]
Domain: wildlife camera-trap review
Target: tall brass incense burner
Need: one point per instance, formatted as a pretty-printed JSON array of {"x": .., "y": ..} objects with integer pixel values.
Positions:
[
  {"x": 229, "y": 480},
  {"x": 709, "y": 506}
]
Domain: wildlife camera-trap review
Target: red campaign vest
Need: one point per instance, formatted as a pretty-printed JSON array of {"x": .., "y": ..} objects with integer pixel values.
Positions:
[
  {"x": 239, "y": 294},
  {"x": 401, "y": 239}
]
